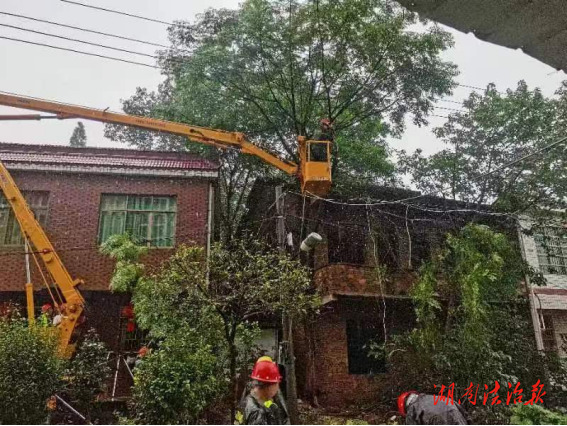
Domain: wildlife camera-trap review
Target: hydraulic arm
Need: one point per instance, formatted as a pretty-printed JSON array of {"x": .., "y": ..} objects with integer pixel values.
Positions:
[
  {"x": 34, "y": 233},
  {"x": 313, "y": 171}
]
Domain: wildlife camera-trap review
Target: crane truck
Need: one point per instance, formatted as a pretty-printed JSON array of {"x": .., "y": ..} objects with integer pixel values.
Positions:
[{"x": 313, "y": 172}]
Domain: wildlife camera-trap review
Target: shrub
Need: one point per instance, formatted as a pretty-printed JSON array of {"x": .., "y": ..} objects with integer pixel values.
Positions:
[
  {"x": 174, "y": 384},
  {"x": 87, "y": 373},
  {"x": 30, "y": 372},
  {"x": 536, "y": 415}
]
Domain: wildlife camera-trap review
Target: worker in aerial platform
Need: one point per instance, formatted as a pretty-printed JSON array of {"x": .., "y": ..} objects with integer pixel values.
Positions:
[
  {"x": 265, "y": 405},
  {"x": 327, "y": 130},
  {"x": 421, "y": 409}
]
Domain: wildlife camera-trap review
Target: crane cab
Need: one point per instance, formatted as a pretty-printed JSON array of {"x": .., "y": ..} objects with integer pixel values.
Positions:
[{"x": 315, "y": 166}]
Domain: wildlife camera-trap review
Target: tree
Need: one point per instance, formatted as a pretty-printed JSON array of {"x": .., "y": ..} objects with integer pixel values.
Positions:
[
  {"x": 472, "y": 324},
  {"x": 30, "y": 372},
  {"x": 484, "y": 141},
  {"x": 274, "y": 68},
  {"x": 79, "y": 136},
  {"x": 208, "y": 308}
]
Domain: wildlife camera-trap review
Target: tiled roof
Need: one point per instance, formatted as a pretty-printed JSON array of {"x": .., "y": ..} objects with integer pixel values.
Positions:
[{"x": 102, "y": 157}]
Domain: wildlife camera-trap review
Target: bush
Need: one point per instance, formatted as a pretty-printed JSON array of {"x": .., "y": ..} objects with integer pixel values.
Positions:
[
  {"x": 174, "y": 384},
  {"x": 87, "y": 373},
  {"x": 30, "y": 372},
  {"x": 536, "y": 415}
]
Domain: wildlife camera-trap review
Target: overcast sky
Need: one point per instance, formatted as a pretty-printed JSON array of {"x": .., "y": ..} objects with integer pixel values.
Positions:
[{"x": 99, "y": 83}]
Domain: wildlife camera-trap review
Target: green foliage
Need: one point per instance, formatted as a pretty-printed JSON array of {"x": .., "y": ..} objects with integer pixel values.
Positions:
[
  {"x": 175, "y": 383},
  {"x": 495, "y": 129},
  {"x": 481, "y": 333},
  {"x": 536, "y": 415},
  {"x": 127, "y": 253},
  {"x": 30, "y": 372},
  {"x": 206, "y": 312},
  {"x": 274, "y": 68},
  {"x": 87, "y": 373},
  {"x": 79, "y": 136}
]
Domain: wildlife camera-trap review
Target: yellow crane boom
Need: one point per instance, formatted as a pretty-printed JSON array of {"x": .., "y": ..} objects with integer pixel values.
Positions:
[
  {"x": 313, "y": 171},
  {"x": 34, "y": 233}
]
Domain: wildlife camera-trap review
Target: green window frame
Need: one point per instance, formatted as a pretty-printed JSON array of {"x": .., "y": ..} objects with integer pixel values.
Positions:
[
  {"x": 149, "y": 219},
  {"x": 10, "y": 233}
]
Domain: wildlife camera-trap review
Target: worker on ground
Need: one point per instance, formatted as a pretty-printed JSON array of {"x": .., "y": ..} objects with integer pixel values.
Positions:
[
  {"x": 265, "y": 405},
  {"x": 46, "y": 315},
  {"x": 141, "y": 354},
  {"x": 420, "y": 409},
  {"x": 59, "y": 317}
]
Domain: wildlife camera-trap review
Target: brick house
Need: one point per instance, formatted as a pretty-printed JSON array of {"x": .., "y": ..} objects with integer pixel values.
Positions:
[
  {"x": 545, "y": 249},
  {"x": 84, "y": 195},
  {"x": 363, "y": 269}
]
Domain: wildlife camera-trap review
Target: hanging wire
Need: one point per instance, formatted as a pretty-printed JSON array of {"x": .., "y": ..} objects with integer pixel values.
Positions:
[
  {"x": 44, "y": 280},
  {"x": 379, "y": 279}
]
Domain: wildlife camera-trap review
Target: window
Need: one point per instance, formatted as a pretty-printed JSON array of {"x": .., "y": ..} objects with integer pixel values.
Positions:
[
  {"x": 148, "y": 219},
  {"x": 360, "y": 334},
  {"x": 318, "y": 151},
  {"x": 346, "y": 244},
  {"x": 548, "y": 334},
  {"x": 552, "y": 250},
  {"x": 10, "y": 234}
]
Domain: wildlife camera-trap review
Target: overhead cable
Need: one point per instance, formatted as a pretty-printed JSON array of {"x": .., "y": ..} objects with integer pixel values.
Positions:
[
  {"x": 80, "y": 52},
  {"x": 121, "y": 37},
  {"x": 131, "y": 15},
  {"x": 480, "y": 176},
  {"x": 78, "y": 41}
]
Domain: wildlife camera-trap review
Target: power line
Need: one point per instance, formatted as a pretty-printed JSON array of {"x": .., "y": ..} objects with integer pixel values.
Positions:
[
  {"x": 80, "y": 52},
  {"x": 79, "y": 41},
  {"x": 145, "y": 18},
  {"x": 131, "y": 15},
  {"x": 463, "y": 85},
  {"x": 449, "y": 109},
  {"x": 451, "y": 101},
  {"x": 480, "y": 176},
  {"x": 149, "y": 43},
  {"x": 539, "y": 151}
]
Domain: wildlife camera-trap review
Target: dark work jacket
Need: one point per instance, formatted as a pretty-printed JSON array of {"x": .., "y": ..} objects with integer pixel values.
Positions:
[
  {"x": 424, "y": 412},
  {"x": 256, "y": 413}
]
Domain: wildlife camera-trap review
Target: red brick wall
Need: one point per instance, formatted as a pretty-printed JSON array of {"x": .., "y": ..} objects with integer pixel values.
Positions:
[
  {"x": 345, "y": 278},
  {"x": 73, "y": 220},
  {"x": 333, "y": 385}
]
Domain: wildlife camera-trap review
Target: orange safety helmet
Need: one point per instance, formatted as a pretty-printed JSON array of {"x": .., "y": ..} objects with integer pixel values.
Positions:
[
  {"x": 402, "y": 402},
  {"x": 143, "y": 351},
  {"x": 325, "y": 122},
  {"x": 267, "y": 371},
  {"x": 46, "y": 308}
]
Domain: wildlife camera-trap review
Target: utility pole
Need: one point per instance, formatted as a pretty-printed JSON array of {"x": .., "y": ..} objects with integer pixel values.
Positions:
[{"x": 287, "y": 354}]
